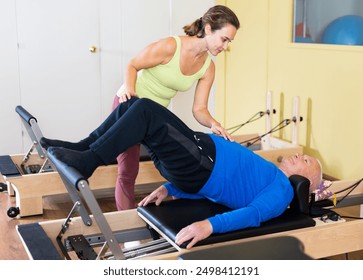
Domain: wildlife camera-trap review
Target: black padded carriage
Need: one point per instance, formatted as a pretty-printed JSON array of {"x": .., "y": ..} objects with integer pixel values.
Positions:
[{"x": 171, "y": 216}]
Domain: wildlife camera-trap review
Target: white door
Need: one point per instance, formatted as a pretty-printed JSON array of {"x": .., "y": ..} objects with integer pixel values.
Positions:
[
  {"x": 59, "y": 73},
  {"x": 10, "y": 126}
]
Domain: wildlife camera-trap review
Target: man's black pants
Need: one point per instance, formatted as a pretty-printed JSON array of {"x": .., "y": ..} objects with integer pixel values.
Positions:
[{"x": 183, "y": 157}]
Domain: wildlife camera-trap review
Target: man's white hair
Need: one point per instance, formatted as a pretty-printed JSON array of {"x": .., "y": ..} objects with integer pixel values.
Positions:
[{"x": 317, "y": 179}]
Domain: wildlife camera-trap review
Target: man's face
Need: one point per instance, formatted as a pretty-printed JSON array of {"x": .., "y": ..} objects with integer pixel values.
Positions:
[{"x": 303, "y": 165}]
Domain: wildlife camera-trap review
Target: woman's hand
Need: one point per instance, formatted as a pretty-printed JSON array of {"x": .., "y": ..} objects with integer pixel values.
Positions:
[
  {"x": 219, "y": 130},
  {"x": 195, "y": 232},
  {"x": 158, "y": 195},
  {"x": 126, "y": 95}
]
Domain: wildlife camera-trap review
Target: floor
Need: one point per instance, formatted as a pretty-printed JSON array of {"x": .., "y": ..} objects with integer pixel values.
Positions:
[{"x": 56, "y": 207}]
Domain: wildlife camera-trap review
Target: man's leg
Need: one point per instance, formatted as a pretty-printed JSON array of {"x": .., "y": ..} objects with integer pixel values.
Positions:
[
  {"x": 149, "y": 123},
  {"x": 174, "y": 147},
  {"x": 84, "y": 144}
]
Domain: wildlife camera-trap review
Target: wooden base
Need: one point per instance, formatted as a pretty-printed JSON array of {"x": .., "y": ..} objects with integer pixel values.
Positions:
[
  {"x": 321, "y": 241},
  {"x": 29, "y": 189}
]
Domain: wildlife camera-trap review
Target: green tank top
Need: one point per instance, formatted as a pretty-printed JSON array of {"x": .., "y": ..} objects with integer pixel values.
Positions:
[{"x": 162, "y": 82}]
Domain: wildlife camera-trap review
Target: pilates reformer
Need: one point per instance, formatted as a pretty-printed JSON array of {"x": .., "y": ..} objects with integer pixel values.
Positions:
[
  {"x": 17, "y": 165},
  {"x": 31, "y": 125},
  {"x": 31, "y": 177},
  {"x": 29, "y": 163},
  {"x": 30, "y": 189},
  {"x": 99, "y": 235}
]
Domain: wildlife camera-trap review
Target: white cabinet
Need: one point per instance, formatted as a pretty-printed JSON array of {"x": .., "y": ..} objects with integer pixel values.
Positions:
[{"x": 48, "y": 66}]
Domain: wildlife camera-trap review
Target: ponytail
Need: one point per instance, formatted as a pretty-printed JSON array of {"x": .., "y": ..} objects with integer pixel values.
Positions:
[
  {"x": 217, "y": 17},
  {"x": 195, "y": 29}
]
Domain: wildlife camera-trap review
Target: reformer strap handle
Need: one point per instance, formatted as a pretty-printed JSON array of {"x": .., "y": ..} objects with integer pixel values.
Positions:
[
  {"x": 24, "y": 114},
  {"x": 72, "y": 175}
]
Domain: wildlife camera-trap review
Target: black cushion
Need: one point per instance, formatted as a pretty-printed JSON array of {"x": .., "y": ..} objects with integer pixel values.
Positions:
[
  {"x": 8, "y": 167},
  {"x": 38, "y": 243},
  {"x": 171, "y": 216}
]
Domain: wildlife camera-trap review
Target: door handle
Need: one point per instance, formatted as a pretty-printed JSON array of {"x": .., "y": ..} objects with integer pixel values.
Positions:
[{"x": 93, "y": 49}]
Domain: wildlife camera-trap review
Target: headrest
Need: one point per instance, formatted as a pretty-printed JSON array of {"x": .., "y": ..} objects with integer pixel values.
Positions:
[{"x": 300, "y": 201}]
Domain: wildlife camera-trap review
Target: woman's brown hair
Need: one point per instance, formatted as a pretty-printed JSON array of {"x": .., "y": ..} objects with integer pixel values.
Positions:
[{"x": 217, "y": 17}]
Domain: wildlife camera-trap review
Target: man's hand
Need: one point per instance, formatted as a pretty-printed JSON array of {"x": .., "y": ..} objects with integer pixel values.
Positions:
[
  {"x": 158, "y": 195},
  {"x": 195, "y": 232}
]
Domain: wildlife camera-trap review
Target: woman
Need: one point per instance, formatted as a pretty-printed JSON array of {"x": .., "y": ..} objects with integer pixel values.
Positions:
[{"x": 170, "y": 65}]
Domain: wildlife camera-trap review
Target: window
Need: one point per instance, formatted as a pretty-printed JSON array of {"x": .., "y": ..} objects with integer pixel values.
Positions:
[{"x": 328, "y": 22}]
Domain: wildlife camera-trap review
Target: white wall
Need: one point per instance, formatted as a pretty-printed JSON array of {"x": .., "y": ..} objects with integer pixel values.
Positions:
[
  {"x": 10, "y": 127},
  {"x": 182, "y": 103},
  {"x": 125, "y": 27}
]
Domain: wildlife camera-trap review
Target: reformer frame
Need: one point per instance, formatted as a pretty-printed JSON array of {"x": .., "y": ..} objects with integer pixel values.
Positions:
[
  {"x": 29, "y": 163},
  {"x": 108, "y": 241},
  {"x": 106, "y": 231},
  {"x": 29, "y": 189},
  {"x": 31, "y": 125}
]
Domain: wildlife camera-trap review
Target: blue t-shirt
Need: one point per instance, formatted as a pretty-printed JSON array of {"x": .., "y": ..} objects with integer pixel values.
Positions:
[{"x": 256, "y": 189}]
